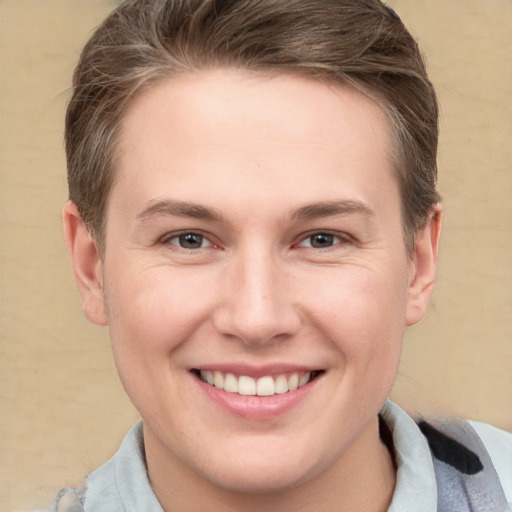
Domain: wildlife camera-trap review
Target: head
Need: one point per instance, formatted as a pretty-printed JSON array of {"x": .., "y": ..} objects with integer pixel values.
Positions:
[
  {"x": 361, "y": 44},
  {"x": 258, "y": 180}
]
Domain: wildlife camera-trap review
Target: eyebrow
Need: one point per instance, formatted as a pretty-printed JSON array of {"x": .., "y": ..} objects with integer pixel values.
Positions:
[
  {"x": 181, "y": 209},
  {"x": 328, "y": 208},
  {"x": 307, "y": 212}
]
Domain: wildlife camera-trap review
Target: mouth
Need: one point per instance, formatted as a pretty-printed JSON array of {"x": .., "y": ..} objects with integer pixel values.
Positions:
[{"x": 264, "y": 386}]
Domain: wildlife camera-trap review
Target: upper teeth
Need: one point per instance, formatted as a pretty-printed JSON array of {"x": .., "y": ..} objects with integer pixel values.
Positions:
[{"x": 264, "y": 386}]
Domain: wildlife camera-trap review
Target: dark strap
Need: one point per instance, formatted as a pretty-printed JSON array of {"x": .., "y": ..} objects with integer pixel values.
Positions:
[{"x": 466, "y": 478}]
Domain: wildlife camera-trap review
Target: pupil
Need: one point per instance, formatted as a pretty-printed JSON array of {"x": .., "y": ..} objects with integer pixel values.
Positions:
[
  {"x": 322, "y": 240},
  {"x": 191, "y": 241}
]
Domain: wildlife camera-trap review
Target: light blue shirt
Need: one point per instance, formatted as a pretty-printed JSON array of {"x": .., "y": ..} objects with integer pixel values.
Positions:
[{"x": 122, "y": 484}]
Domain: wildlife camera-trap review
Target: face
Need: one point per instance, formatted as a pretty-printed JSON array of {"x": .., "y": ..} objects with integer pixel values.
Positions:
[{"x": 256, "y": 280}]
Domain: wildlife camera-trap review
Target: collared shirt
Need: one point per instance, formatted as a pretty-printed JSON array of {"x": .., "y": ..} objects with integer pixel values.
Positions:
[{"x": 122, "y": 484}]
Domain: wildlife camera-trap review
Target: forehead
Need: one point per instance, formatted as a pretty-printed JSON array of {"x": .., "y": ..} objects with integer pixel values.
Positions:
[
  {"x": 216, "y": 129},
  {"x": 227, "y": 96}
]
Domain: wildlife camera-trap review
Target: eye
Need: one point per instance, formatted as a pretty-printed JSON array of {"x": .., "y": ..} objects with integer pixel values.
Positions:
[
  {"x": 322, "y": 240},
  {"x": 189, "y": 240}
]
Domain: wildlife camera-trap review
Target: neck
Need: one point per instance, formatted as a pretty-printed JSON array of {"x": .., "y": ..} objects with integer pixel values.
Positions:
[{"x": 362, "y": 480}]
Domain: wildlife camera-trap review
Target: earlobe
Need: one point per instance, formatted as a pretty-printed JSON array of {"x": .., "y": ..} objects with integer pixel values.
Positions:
[
  {"x": 423, "y": 267},
  {"x": 86, "y": 264}
]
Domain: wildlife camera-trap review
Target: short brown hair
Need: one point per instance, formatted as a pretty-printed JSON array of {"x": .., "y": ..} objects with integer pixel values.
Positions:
[{"x": 360, "y": 43}]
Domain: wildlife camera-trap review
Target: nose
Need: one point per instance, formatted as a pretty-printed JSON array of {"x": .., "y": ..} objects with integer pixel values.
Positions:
[{"x": 257, "y": 305}]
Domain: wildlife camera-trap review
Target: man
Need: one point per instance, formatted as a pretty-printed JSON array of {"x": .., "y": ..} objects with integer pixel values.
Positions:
[{"x": 253, "y": 214}]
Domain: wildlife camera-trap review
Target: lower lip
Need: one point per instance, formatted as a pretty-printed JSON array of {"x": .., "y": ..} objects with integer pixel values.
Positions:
[{"x": 257, "y": 408}]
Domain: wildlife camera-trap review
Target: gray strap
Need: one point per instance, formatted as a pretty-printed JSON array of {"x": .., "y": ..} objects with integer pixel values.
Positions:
[
  {"x": 460, "y": 492},
  {"x": 68, "y": 500}
]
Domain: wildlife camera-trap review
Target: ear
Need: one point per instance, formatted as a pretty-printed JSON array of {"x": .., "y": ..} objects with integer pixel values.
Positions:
[
  {"x": 86, "y": 264},
  {"x": 423, "y": 267}
]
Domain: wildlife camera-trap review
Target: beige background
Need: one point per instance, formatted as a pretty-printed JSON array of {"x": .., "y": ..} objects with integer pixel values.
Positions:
[{"x": 62, "y": 410}]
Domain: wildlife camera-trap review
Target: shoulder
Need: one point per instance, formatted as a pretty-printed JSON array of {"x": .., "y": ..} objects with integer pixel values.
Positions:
[
  {"x": 447, "y": 460},
  {"x": 100, "y": 490},
  {"x": 498, "y": 444},
  {"x": 471, "y": 460},
  {"x": 120, "y": 484}
]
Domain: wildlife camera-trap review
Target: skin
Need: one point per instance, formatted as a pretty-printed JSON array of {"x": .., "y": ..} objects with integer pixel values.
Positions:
[{"x": 257, "y": 167}]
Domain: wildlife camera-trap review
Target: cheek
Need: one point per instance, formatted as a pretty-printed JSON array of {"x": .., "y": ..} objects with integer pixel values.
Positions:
[
  {"x": 153, "y": 312},
  {"x": 152, "y": 315},
  {"x": 362, "y": 313}
]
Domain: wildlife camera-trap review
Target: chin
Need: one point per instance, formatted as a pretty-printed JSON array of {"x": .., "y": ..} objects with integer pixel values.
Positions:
[
  {"x": 260, "y": 481},
  {"x": 265, "y": 474}
]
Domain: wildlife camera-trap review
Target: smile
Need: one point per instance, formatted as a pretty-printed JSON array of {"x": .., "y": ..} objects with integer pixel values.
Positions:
[{"x": 263, "y": 386}]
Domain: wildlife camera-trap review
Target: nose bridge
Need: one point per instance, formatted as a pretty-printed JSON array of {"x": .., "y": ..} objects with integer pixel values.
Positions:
[{"x": 257, "y": 306}]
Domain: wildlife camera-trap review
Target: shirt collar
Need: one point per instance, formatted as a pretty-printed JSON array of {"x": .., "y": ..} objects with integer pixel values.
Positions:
[{"x": 416, "y": 487}]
